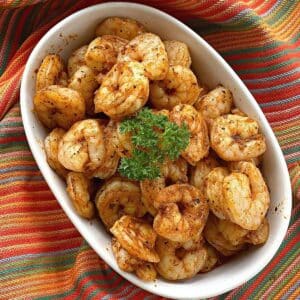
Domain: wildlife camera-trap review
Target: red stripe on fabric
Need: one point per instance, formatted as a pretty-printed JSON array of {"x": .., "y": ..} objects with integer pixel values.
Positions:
[
  {"x": 39, "y": 239},
  {"x": 274, "y": 82},
  {"x": 281, "y": 107},
  {"x": 64, "y": 224},
  {"x": 37, "y": 249}
]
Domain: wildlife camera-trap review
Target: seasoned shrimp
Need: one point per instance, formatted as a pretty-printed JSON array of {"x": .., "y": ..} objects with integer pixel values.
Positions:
[
  {"x": 146, "y": 271},
  {"x": 236, "y": 138},
  {"x": 103, "y": 51},
  {"x": 232, "y": 232},
  {"x": 117, "y": 198},
  {"x": 125, "y": 261},
  {"x": 122, "y": 27},
  {"x": 198, "y": 146},
  {"x": 128, "y": 263},
  {"x": 214, "y": 236},
  {"x": 178, "y": 86},
  {"x": 136, "y": 237},
  {"x": 182, "y": 213},
  {"x": 178, "y": 53},
  {"x": 216, "y": 103},
  {"x": 237, "y": 111},
  {"x": 149, "y": 50},
  {"x": 124, "y": 90},
  {"x": 260, "y": 235},
  {"x": 200, "y": 171},
  {"x": 57, "y": 106},
  {"x": 171, "y": 172},
  {"x": 124, "y": 144},
  {"x": 78, "y": 189},
  {"x": 246, "y": 195},
  {"x": 176, "y": 262},
  {"x": 84, "y": 82},
  {"x": 110, "y": 163},
  {"x": 212, "y": 259},
  {"x": 77, "y": 60},
  {"x": 50, "y": 72},
  {"x": 51, "y": 149},
  {"x": 214, "y": 191},
  {"x": 82, "y": 148}
]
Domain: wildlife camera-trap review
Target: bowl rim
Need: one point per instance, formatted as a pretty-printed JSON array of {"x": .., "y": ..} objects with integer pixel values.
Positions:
[{"x": 35, "y": 147}]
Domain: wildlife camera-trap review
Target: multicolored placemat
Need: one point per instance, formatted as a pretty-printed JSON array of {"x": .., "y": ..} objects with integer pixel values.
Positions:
[{"x": 41, "y": 254}]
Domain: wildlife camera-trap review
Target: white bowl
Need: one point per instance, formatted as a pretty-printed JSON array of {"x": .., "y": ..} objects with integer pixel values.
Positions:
[{"x": 77, "y": 30}]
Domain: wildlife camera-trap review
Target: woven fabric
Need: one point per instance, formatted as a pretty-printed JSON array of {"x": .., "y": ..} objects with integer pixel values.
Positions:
[{"x": 41, "y": 254}]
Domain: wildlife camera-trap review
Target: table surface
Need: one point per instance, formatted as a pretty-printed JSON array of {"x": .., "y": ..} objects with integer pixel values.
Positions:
[{"x": 42, "y": 255}]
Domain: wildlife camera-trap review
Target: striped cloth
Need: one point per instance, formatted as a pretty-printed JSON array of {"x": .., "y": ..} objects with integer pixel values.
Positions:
[{"x": 42, "y": 255}]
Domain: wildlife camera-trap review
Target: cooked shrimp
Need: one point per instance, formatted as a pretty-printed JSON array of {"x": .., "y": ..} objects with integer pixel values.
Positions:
[
  {"x": 111, "y": 160},
  {"x": 123, "y": 142},
  {"x": 200, "y": 171},
  {"x": 176, "y": 262},
  {"x": 128, "y": 263},
  {"x": 215, "y": 237},
  {"x": 122, "y": 27},
  {"x": 246, "y": 196},
  {"x": 178, "y": 86},
  {"x": 149, "y": 50},
  {"x": 51, "y": 149},
  {"x": 232, "y": 232},
  {"x": 117, "y": 198},
  {"x": 136, "y": 237},
  {"x": 182, "y": 213},
  {"x": 237, "y": 111},
  {"x": 214, "y": 104},
  {"x": 260, "y": 235},
  {"x": 125, "y": 261},
  {"x": 50, "y": 72},
  {"x": 171, "y": 171},
  {"x": 102, "y": 52},
  {"x": 82, "y": 148},
  {"x": 146, "y": 271},
  {"x": 77, "y": 60},
  {"x": 198, "y": 146},
  {"x": 78, "y": 189},
  {"x": 124, "y": 90},
  {"x": 84, "y": 82},
  {"x": 214, "y": 191},
  {"x": 212, "y": 259},
  {"x": 236, "y": 138},
  {"x": 178, "y": 53},
  {"x": 57, "y": 106}
]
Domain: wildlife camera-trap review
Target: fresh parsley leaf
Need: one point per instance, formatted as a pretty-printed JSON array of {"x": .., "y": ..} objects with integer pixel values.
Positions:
[{"x": 155, "y": 139}]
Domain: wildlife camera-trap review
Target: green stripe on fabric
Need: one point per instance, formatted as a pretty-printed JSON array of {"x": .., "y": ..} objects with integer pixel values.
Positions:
[
  {"x": 48, "y": 262},
  {"x": 290, "y": 140},
  {"x": 279, "y": 16},
  {"x": 291, "y": 150},
  {"x": 289, "y": 130},
  {"x": 16, "y": 146}
]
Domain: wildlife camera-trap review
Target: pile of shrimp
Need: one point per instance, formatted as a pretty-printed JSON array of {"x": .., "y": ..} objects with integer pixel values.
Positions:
[{"x": 208, "y": 204}]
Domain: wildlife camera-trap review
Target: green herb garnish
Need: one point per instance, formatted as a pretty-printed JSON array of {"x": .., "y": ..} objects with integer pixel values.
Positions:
[{"x": 155, "y": 139}]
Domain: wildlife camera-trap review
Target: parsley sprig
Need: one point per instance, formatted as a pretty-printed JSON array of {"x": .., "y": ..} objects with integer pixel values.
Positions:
[{"x": 155, "y": 139}]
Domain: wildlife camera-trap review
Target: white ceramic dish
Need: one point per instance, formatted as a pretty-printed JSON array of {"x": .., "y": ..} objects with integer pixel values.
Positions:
[{"x": 78, "y": 29}]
